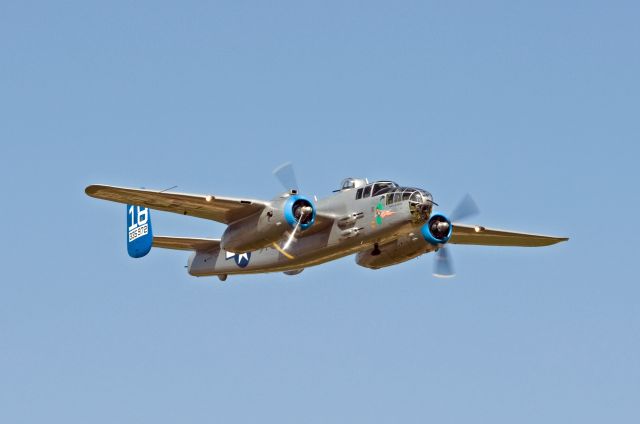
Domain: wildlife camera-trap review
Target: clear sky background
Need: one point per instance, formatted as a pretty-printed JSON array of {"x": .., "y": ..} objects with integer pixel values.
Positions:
[{"x": 533, "y": 107}]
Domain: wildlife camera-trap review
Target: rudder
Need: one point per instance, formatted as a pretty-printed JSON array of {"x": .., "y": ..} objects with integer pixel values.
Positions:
[{"x": 139, "y": 232}]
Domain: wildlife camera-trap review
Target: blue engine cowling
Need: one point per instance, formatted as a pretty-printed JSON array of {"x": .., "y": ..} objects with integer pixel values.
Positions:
[
  {"x": 261, "y": 230},
  {"x": 299, "y": 208},
  {"x": 437, "y": 229}
]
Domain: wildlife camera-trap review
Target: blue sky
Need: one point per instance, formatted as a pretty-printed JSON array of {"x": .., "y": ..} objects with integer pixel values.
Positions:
[{"x": 530, "y": 106}]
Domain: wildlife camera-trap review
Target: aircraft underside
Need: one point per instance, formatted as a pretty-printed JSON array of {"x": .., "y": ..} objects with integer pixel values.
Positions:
[{"x": 309, "y": 253}]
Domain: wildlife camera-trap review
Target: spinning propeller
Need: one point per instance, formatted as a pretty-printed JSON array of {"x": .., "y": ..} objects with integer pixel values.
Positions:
[
  {"x": 443, "y": 265},
  {"x": 302, "y": 210},
  {"x": 287, "y": 176}
]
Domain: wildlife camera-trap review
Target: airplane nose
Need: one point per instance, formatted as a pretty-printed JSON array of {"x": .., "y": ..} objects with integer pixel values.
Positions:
[
  {"x": 427, "y": 206},
  {"x": 425, "y": 210}
]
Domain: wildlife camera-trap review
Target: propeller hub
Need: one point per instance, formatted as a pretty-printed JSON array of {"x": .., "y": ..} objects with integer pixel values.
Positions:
[
  {"x": 302, "y": 211},
  {"x": 439, "y": 228}
]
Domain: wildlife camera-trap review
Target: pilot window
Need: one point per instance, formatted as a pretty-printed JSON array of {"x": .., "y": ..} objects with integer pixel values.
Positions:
[
  {"x": 367, "y": 191},
  {"x": 359, "y": 194},
  {"x": 380, "y": 188}
]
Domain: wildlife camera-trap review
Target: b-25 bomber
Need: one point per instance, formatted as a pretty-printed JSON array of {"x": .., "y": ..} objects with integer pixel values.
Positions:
[{"x": 381, "y": 222}]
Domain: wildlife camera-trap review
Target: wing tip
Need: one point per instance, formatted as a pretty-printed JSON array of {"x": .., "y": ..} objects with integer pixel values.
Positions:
[
  {"x": 550, "y": 241},
  {"x": 92, "y": 190}
]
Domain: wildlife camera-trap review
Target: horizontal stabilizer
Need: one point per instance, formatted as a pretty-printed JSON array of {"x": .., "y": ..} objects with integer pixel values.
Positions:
[{"x": 186, "y": 243}]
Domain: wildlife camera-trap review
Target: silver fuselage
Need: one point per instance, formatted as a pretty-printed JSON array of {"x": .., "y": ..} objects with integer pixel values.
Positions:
[{"x": 358, "y": 225}]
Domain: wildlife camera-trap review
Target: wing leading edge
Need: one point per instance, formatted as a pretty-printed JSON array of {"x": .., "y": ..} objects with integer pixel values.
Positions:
[
  {"x": 221, "y": 209},
  {"x": 477, "y": 235}
]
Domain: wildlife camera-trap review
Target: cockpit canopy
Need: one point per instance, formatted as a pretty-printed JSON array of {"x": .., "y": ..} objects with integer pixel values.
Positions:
[
  {"x": 349, "y": 183},
  {"x": 393, "y": 193}
]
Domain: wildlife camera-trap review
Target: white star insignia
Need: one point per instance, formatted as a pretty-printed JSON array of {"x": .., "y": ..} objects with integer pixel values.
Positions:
[{"x": 239, "y": 257}]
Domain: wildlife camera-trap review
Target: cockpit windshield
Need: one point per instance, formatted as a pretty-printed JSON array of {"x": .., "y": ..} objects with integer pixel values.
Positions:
[
  {"x": 375, "y": 189},
  {"x": 390, "y": 193},
  {"x": 382, "y": 187},
  {"x": 393, "y": 193}
]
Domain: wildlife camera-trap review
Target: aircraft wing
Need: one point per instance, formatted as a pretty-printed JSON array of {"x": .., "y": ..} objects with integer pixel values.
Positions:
[
  {"x": 475, "y": 234},
  {"x": 186, "y": 243},
  {"x": 221, "y": 209}
]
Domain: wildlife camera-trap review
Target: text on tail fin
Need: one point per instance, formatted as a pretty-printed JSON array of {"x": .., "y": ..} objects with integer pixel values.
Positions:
[{"x": 139, "y": 233}]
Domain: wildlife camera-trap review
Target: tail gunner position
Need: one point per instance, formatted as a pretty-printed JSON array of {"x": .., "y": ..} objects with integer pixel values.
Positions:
[{"x": 381, "y": 222}]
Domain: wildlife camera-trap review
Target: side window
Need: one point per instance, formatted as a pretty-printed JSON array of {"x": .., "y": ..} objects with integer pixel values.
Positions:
[
  {"x": 367, "y": 191},
  {"x": 359, "y": 194},
  {"x": 381, "y": 188},
  {"x": 406, "y": 195},
  {"x": 389, "y": 198},
  {"x": 397, "y": 196}
]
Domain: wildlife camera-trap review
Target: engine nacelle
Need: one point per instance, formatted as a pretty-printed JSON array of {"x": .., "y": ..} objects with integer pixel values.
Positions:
[
  {"x": 269, "y": 226},
  {"x": 437, "y": 229},
  {"x": 394, "y": 252}
]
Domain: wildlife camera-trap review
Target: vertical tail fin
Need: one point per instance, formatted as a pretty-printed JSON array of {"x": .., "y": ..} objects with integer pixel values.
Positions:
[{"x": 139, "y": 233}]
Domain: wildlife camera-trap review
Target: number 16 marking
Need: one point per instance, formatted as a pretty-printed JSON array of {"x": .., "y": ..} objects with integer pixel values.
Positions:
[{"x": 142, "y": 215}]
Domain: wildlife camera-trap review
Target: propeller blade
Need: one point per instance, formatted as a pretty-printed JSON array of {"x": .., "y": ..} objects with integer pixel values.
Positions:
[
  {"x": 295, "y": 230},
  {"x": 443, "y": 265},
  {"x": 465, "y": 209},
  {"x": 287, "y": 176},
  {"x": 292, "y": 236}
]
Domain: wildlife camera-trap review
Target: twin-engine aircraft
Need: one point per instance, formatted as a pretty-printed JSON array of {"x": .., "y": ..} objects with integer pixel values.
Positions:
[{"x": 381, "y": 222}]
